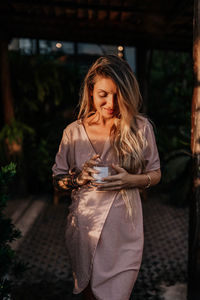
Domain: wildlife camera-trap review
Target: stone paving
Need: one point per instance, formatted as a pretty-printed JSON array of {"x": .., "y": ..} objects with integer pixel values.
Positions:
[{"x": 48, "y": 276}]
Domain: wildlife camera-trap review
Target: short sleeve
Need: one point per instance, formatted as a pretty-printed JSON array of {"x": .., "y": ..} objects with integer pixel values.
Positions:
[
  {"x": 151, "y": 156},
  {"x": 61, "y": 165}
]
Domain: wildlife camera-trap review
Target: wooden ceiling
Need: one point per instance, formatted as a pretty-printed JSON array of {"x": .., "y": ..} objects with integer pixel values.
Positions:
[{"x": 163, "y": 24}]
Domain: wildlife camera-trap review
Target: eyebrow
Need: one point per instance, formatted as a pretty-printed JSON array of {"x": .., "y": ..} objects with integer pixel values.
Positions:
[{"x": 100, "y": 90}]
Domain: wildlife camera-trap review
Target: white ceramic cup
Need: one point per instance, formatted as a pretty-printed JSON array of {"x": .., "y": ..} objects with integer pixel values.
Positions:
[{"x": 103, "y": 172}]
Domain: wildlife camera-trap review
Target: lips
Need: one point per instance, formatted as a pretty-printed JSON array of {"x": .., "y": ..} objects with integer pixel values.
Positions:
[{"x": 110, "y": 111}]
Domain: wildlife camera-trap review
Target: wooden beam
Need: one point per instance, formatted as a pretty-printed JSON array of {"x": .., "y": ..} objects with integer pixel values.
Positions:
[
  {"x": 94, "y": 31},
  {"x": 180, "y": 8},
  {"x": 40, "y": 14},
  {"x": 74, "y": 5},
  {"x": 141, "y": 22},
  {"x": 96, "y": 35},
  {"x": 6, "y": 93},
  {"x": 194, "y": 225}
]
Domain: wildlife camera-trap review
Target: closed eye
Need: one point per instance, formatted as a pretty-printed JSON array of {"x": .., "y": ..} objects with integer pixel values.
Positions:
[{"x": 103, "y": 95}]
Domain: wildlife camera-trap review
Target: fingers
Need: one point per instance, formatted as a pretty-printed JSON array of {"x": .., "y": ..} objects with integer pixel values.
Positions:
[
  {"x": 112, "y": 178},
  {"x": 112, "y": 184},
  {"x": 92, "y": 161},
  {"x": 118, "y": 168},
  {"x": 62, "y": 185},
  {"x": 95, "y": 156},
  {"x": 88, "y": 168},
  {"x": 87, "y": 173},
  {"x": 86, "y": 176},
  {"x": 117, "y": 185},
  {"x": 91, "y": 170}
]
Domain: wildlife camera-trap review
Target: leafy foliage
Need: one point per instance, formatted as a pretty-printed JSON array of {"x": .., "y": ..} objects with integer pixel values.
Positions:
[
  {"x": 45, "y": 91},
  {"x": 171, "y": 84},
  {"x": 8, "y": 233},
  {"x": 15, "y": 131}
]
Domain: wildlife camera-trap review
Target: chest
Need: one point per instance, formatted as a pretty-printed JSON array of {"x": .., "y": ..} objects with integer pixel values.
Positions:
[{"x": 97, "y": 137}]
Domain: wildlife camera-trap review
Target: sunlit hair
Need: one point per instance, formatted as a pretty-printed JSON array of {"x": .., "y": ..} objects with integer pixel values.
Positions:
[{"x": 126, "y": 139}]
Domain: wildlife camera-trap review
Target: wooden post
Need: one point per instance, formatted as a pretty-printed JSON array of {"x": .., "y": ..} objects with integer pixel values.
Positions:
[
  {"x": 143, "y": 64},
  {"x": 194, "y": 225},
  {"x": 6, "y": 93},
  {"x": 37, "y": 45}
]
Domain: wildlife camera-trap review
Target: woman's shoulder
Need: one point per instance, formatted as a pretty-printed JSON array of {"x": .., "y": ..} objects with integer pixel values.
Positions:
[
  {"x": 146, "y": 125},
  {"x": 142, "y": 121},
  {"x": 72, "y": 127}
]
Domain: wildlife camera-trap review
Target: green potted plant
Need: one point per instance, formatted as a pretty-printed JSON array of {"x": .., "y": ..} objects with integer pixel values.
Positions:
[{"x": 12, "y": 135}]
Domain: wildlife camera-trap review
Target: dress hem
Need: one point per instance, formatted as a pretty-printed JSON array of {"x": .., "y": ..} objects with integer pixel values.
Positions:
[{"x": 92, "y": 259}]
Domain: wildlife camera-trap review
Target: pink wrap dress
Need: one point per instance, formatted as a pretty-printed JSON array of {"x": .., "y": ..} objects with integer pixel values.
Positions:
[{"x": 103, "y": 245}]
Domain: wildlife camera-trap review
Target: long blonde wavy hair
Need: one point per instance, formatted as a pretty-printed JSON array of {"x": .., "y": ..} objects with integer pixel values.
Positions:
[{"x": 125, "y": 137}]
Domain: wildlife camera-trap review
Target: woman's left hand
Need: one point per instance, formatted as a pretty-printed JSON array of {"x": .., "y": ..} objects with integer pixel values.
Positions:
[{"x": 117, "y": 182}]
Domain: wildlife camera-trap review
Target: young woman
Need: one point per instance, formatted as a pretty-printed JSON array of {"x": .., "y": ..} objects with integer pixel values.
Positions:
[{"x": 104, "y": 234}]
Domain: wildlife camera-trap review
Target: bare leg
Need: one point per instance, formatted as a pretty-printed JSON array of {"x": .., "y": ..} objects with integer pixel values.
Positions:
[{"x": 87, "y": 293}]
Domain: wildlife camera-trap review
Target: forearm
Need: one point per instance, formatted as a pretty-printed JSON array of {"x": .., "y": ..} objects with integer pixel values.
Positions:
[
  {"x": 65, "y": 182},
  {"x": 142, "y": 180}
]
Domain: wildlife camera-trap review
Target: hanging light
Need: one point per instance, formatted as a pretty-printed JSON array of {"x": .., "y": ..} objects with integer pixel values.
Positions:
[
  {"x": 120, "y": 51},
  {"x": 59, "y": 45}
]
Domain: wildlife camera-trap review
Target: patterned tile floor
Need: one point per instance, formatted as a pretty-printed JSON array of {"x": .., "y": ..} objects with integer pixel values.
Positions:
[{"x": 49, "y": 278}]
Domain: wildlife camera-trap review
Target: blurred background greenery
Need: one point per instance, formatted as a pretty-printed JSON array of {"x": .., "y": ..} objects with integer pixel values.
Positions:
[
  {"x": 46, "y": 94},
  {"x": 170, "y": 97}
]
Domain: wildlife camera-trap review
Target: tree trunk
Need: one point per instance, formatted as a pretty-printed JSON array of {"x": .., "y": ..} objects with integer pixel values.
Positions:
[
  {"x": 6, "y": 94},
  {"x": 194, "y": 225}
]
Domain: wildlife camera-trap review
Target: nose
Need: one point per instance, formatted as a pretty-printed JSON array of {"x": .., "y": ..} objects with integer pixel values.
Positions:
[{"x": 111, "y": 101}]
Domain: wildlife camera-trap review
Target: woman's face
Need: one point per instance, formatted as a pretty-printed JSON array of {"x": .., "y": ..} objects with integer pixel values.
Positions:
[{"x": 105, "y": 97}]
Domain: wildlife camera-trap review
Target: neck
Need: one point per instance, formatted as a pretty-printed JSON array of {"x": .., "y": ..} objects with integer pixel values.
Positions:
[
  {"x": 99, "y": 120},
  {"x": 103, "y": 121}
]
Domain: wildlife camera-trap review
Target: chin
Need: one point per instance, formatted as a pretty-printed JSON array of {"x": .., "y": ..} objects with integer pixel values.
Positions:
[{"x": 109, "y": 116}]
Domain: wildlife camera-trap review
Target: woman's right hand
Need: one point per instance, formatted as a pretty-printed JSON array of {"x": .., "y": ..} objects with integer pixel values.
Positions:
[{"x": 86, "y": 174}]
